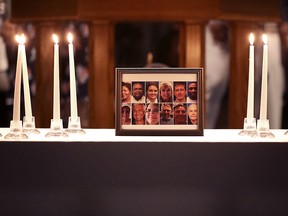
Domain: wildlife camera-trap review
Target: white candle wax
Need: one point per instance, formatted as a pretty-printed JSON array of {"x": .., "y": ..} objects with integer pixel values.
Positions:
[
  {"x": 27, "y": 99},
  {"x": 56, "y": 95},
  {"x": 17, "y": 88},
  {"x": 250, "y": 99},
  {"x": 263, "y": 104},
  {"x": 73, "y": 94}
]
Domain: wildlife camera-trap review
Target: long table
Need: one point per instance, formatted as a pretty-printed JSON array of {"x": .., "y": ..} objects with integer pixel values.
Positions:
[{"x": 220, "y": 173}]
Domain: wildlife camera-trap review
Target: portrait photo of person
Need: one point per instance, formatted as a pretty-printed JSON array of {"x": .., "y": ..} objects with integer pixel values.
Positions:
[
  {"x": 126, "y": 92},
  {"x": 152, "y": 92},
  {"x": 138, "y": 113},
  {"x": 180, "y": 114},
  {"x": 166, "y": 114},
  {"x": 152, "y": 114},
  {"x": 192, "y": 92},
  {"x": 192, "y": 114},
  {"x": 166, "y": 92},
  {"x": 126, "y": 114},
  {"x": 180, "y": 92},
  {"x": 138, "y": 92}
]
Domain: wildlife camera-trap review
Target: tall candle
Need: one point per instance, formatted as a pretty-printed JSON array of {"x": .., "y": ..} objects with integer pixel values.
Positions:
[
  {"x": 56, "y": 90},
  {"x": 27, "y": 99},
  {"x": 250, "y": 99},
  {"x": 17, "y": 88},
  {"x": 263, "y": 104},
  {"x": 73, "y": 94}
]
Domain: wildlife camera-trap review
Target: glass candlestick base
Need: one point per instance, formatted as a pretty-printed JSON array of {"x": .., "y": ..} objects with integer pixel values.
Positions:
[
  {"x": 16, "y": 131},
  {"x": 249, "y": 127},
  {"x": 56, "y": 129},
  {"x": 29, "y": 125},
  {"x": 74, "y": 126},
  {"x": 263, "y": 129}
]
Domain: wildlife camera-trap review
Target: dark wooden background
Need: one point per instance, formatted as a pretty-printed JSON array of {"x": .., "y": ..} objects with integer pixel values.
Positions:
[{"x": 244, "y": 16}]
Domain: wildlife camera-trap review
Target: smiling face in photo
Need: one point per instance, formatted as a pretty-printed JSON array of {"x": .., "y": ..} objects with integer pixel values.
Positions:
[
  {"x": 192, "y": 91},
  {"x": 152, "y": 114},
  {"x": 180, "y": 92},
  {"x": 138, "y": 91}
]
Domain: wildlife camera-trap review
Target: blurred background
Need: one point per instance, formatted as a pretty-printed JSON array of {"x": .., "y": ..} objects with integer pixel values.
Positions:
[{"x": 211, "y": 35}]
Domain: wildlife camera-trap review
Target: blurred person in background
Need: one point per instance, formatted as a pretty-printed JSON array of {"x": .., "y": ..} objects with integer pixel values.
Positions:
[
  {"x": 217, "y": 60},
  {"x": 4, "y": 80},
  {"x": 4, "y": 66},
  {"x": 8, "y": 32},
  {"x": 284, "y": 58}
]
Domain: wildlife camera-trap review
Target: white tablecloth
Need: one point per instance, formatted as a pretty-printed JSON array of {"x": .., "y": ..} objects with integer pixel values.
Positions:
[{"x": 108, "y": 135}]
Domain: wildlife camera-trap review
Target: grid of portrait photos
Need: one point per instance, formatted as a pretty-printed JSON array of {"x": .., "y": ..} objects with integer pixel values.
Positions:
[{"x": 159, "y": 102}]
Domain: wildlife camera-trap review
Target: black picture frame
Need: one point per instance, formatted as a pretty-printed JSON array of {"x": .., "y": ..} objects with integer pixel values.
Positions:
[{"x": 142, "y": 109}]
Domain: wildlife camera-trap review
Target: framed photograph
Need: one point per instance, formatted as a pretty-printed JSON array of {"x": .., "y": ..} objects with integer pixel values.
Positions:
[{"x": 159, "y": 101}]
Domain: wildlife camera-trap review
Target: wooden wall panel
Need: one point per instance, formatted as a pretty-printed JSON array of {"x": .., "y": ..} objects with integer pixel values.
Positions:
[
  {"x": 193, "y": 44},
  {"x": 145, "y": 9},
  {"x": 148, "y": 9},
  {"x": 36, "y": 10},
  {"x": 250, "y": 10},
  {"x": 101, "y": 77},
  {"x": 238, "y": 87},
  {"x": 44, "y": 75},
  {"x": 101, "y": 47}
]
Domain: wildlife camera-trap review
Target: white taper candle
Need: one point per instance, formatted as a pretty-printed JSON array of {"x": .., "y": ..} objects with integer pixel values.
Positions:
[
  {"x": 250, "y": 99},
  {"x": 263, "y": 104},
  {"x": 56, "y": 95},
  {"x": 27, "y": 99},
  {"x": 17, "y": 88},
  {"x": 73, "y": 92}
]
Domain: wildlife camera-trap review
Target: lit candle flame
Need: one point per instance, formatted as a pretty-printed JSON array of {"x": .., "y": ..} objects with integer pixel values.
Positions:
[
  {"x": 265, "y": 39},
  {"x": 55, "y": 38},
  {"x": 70, "y": 37},
  {"x": 20, "y": 39},
  {"x": 251, "y": 38}
]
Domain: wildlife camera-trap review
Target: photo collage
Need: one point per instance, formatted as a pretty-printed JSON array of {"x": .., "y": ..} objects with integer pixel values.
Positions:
[{"x": 159, "y": 103}]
